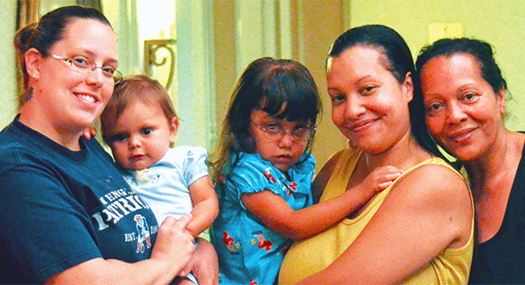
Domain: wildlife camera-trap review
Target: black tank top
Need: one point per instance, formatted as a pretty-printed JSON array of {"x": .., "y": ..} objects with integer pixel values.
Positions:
[{"x": 501, "y": 260}]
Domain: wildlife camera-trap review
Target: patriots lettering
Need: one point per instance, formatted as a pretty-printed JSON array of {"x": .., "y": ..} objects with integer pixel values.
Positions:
[{"x": 121, "y": 203}]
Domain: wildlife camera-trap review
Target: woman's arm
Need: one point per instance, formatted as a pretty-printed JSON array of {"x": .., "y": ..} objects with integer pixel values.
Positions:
[
  {"x": 425, "y": 213},
  {"x": 205, "y": 205},
  {"x": 280, "y": 217},
  {"x": 171, "y": 252}
]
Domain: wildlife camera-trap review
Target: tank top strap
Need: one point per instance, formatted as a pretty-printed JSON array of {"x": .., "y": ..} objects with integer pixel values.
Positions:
[{"x": 341, "y": 175}]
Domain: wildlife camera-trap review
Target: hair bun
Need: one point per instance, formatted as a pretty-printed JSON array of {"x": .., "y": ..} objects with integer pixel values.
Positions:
[{"x": 22, "y": 37}]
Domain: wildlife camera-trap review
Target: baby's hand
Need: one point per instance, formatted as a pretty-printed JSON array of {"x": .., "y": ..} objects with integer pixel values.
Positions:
[{"x": 380, "y": 179}]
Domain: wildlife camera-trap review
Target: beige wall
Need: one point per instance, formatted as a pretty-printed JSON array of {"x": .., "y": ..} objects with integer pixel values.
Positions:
[
  {"x": 225, "y": 63},
  {"x": 321, "y": 23},
  {"x": 8, "y": 99}
]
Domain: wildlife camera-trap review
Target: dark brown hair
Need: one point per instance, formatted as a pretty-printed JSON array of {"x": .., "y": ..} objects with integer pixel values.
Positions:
[{"x": 282, "y": 88}]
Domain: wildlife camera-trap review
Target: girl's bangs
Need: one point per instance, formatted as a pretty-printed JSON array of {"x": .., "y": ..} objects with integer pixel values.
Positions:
[{"x": 291, "y": 99}]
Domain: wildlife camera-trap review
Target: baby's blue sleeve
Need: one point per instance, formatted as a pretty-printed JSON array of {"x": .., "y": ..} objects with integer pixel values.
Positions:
[{"x": 194, "y": 166}]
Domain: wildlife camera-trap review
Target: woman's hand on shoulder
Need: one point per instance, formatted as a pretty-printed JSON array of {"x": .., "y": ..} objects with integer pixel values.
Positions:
[{"x": 379, "y": 180}]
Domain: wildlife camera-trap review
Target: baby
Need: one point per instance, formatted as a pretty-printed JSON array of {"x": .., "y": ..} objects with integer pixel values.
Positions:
[{"x": 140, "y": 125}]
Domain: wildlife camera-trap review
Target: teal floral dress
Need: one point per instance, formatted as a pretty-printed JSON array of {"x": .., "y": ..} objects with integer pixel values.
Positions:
[{"x": 250, "y": 252}]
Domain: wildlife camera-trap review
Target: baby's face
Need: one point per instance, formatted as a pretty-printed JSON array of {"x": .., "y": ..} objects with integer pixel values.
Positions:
[{"x": 141, "y": 136}]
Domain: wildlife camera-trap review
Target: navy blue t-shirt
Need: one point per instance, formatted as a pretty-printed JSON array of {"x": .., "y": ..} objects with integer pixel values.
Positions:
[{"x": 60, "y": 208}]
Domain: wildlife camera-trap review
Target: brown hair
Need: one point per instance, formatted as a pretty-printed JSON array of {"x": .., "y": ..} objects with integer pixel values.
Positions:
[
  {"x": 282, "y": 88},
  {"x": 132, "y": 88}
]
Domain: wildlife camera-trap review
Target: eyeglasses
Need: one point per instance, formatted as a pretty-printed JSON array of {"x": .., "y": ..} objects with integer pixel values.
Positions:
[
  {"x": 83, "y": 65},
  {"x": 275, "y": 132}
]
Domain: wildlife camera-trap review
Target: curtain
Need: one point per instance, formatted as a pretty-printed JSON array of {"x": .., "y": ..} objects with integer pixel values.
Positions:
[
  {"x": 27, "y": 13},
  {"x": 130, "y": 47}
]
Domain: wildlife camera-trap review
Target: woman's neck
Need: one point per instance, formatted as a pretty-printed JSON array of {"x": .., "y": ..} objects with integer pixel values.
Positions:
[
  {"x": 64, "y": 136},
  {"x": 500, "y": 160},
  {"x": 405, "y": 154}
]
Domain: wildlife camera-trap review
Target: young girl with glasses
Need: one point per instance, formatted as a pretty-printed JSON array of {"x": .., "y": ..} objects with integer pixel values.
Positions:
[{"x": 263, "y": 173}]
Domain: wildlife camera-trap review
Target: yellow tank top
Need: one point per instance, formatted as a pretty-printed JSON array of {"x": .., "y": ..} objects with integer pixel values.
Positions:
[{"x": 312, "y": 255}]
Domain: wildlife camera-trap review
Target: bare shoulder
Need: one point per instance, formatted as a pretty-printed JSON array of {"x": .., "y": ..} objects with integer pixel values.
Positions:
[
  {"x": 520, "y": 142},
  {"x": 438, "y": 195},
  {"x": 434, "y": 183}
]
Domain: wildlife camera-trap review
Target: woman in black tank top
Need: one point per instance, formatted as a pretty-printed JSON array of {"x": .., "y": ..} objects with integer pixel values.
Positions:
[{"x": 465, "y": 104}]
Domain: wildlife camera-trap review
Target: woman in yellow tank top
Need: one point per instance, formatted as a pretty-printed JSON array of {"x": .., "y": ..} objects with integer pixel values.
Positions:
[{"x": 420, "y": 229}]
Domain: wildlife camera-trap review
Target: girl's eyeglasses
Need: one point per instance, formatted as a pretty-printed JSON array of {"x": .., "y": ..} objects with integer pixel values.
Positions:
[
  {"x": 275, "y": 132},
  {"x": 83, "y": 65}
]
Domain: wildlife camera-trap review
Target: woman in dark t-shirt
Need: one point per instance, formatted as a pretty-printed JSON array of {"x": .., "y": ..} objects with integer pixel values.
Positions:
[{"x": 67, "y": 215}]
